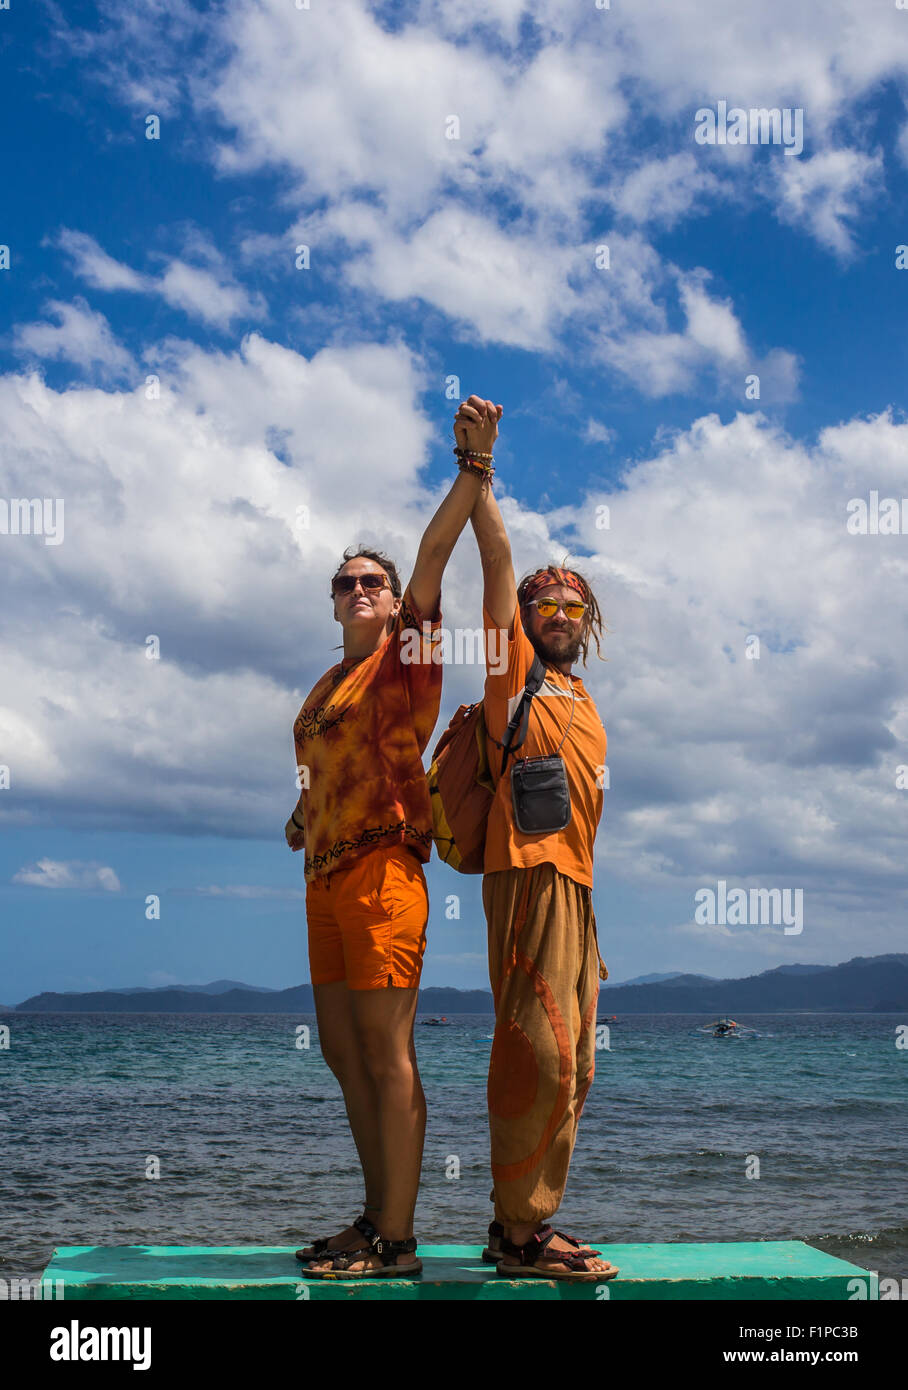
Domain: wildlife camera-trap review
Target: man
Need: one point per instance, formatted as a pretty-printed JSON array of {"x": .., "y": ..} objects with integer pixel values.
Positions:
[{"x": 537, "y": 894}]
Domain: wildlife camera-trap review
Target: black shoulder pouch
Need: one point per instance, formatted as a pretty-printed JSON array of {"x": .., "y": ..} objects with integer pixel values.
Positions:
[{"x": 540, "y": 793}]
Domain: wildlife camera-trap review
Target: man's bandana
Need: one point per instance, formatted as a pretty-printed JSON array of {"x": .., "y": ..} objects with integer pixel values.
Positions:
[{"x": 552, "y": 575}]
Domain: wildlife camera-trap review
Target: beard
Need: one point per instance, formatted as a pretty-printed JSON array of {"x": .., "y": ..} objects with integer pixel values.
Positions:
[{"x": 557, "y": 647}]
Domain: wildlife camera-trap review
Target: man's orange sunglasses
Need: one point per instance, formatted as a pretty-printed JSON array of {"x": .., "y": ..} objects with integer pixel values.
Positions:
[{"x": 548, "y": 607}]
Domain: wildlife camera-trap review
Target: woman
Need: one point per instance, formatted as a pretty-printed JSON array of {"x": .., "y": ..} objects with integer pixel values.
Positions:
[{"x": 365, "y": 820}]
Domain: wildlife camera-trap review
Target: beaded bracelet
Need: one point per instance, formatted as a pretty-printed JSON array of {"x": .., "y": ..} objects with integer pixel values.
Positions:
[
  {"x": 475, "y": 461},
  {"x": 484, "y": 470},
  {"x": 475, "y": 454}
]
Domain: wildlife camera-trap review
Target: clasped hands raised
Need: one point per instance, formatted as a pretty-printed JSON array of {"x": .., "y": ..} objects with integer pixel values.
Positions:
[{"x": 476, "y": 424}]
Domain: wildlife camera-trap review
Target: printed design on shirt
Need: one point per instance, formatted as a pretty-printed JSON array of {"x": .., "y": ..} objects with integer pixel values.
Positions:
[
  {"x": 546, "y": 689},
  {"x": 368, "y": 837},
  {"x": 311, "y": 723},
  {"x": 407, "y": 617}
]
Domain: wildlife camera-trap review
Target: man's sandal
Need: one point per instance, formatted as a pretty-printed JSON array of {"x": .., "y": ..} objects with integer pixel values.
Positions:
[
  {"x": 319, "y": 1248},
  {"x": 492, "y": 1251},
  {"x": 377, "y": 1245},
  {"x": 576, "y": 1260},
  {"x": 491, "y": 1255}
]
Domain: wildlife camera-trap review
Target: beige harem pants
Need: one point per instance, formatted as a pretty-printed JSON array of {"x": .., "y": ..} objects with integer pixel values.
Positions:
[{"x": 544, "y": 971}]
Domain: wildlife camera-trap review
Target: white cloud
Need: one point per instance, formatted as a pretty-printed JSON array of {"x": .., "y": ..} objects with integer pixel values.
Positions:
[
  {"x": 83, "y": 336},
  {"x": 660, "y": 362},
  {"x": 711, "y": 323},
  {"x": 50, "y": 873},
  {"x": 664, "y": 190},
  {"x": 691, "y": 53},
  {"x": 92, "y": 264},
  {"x": 202, "y": 295},
  {"x": 210, "y": 294},
  {"x": 507, "y": 287},
  {"x": 597, "y": 433},
  {"x": 346, "y": 106},
  {"x": 826, "y": 194},
  {"x": 496, "y": 281}
]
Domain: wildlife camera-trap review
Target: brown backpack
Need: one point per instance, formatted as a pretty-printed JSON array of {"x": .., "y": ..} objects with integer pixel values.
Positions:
[{"x": 461, "y": 785}]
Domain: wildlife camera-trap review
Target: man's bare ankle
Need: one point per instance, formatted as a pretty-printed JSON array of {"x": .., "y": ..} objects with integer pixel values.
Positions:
[{"x": 519, "y": 1235}]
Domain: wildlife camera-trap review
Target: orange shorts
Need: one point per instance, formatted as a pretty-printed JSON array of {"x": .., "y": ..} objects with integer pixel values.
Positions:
[{"x": 367, "y": 923}]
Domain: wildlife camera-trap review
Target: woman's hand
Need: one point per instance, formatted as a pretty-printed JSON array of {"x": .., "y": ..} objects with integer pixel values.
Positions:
[
  {"x": 295, "y": 836},
  {"x": 476, "y": 424}
]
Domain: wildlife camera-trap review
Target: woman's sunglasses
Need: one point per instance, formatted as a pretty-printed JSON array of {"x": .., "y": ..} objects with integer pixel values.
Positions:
[
  {"x": 547, "y": 608},
  {"x": 346, "y": 583}
]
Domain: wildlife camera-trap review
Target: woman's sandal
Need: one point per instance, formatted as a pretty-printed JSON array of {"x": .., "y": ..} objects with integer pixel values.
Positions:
[
  {"x": 377, "y": 1245},
  {"x": 319, "y": 1248},
  {"x": 491, "y": 1255},
  {"x": 577, "y": 1260}
]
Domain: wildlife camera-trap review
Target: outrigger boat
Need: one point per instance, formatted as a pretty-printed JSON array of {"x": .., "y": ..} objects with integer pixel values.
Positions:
[{"x": 727, "y": 1028}]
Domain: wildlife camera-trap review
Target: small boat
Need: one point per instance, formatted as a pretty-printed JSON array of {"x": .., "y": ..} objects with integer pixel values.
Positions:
[
  {"x": 727, "y": 1028},
  {"x": 435, "y": 1022}
]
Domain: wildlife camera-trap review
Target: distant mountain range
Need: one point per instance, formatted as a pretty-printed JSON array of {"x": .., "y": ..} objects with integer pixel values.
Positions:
[
  {"x": 216, "y": 987},
  {"x": 875, "y": 984}
]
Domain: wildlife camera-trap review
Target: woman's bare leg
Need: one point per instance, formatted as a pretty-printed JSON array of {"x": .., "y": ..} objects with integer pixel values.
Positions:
[
  {"x": 341, "y": 1048},
  {"x": 384, "y": 1021}
]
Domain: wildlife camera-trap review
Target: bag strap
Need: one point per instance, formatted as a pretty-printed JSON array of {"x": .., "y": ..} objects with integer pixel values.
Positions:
[
  {"x": 516, "y": 731},
  {"x": 569, "y": 723}
]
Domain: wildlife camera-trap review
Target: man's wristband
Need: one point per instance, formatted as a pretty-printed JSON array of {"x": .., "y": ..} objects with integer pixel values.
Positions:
[
  {"x": 295, "y": 821},
  {"x": 479, "y": 470}
]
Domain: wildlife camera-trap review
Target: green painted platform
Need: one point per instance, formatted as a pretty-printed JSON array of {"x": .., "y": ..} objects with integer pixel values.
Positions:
[{"x": 754, "y": 1270}]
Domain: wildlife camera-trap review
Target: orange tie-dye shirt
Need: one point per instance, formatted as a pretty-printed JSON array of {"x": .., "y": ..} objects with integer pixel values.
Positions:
[
  {"x": 583, "y": 753},
  {"x": 359, "y": 737}
]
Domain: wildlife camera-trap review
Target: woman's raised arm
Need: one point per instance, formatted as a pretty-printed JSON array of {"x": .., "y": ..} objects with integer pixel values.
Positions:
[{"x": 443, "y": 530}]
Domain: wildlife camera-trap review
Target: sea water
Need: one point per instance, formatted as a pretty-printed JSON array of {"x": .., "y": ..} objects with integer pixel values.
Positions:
[{"x": 220, "y": 1129}]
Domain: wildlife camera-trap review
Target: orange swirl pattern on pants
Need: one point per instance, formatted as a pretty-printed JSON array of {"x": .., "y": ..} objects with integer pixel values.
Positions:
[{"x": 543, "y": 965}]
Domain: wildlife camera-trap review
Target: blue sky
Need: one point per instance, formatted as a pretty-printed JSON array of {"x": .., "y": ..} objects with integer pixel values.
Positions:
[{"x": 278, "y": 387}]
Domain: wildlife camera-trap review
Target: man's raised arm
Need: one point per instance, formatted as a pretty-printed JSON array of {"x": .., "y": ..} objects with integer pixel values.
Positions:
[{"x": 499, "y": 585}]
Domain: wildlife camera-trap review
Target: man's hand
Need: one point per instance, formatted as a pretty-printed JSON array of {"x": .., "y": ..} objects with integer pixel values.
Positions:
[
  {"x": 476, "y": 424},
  {"x": 295, "y": 836}
]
